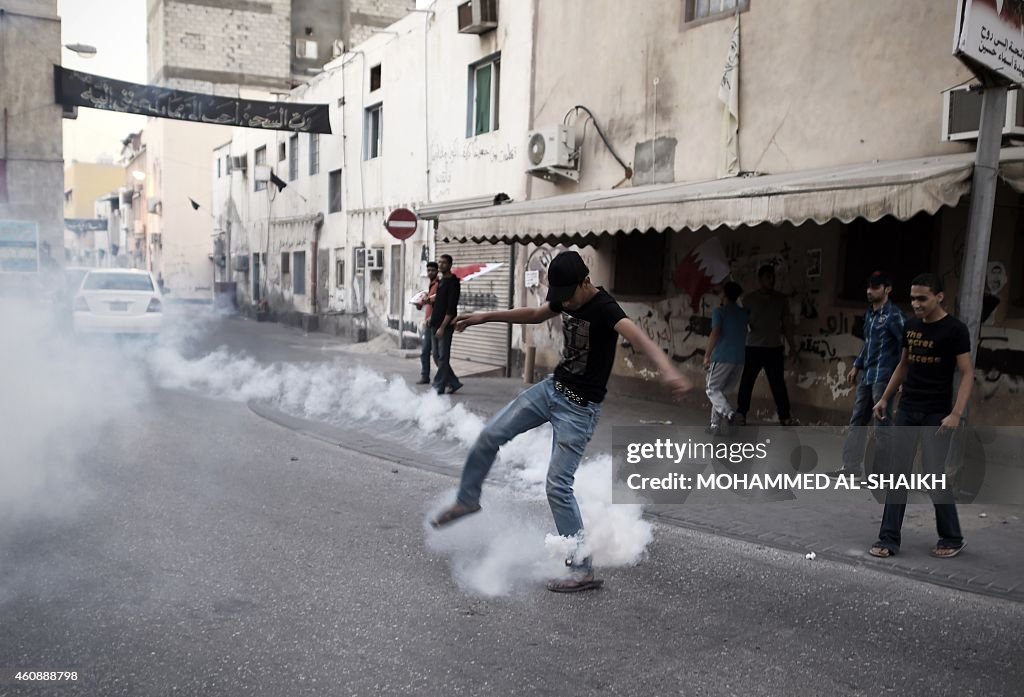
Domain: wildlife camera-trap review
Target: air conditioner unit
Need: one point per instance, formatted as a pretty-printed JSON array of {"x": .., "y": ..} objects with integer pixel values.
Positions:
[
  {"x": 961, "y": 114},
  {"x": 304, "y": 48},
  {"x": 478, "y": 16},
  {"x": 374, "y": 258},
  {"x": 261, "y": 173},
  {"x": 126, "y": 197},
  {"x": 238, "y": 162},
  {"x": 360, "y": 253},
  {"x": 552, "y": 153},
  {"x": 240, "y": 262}
]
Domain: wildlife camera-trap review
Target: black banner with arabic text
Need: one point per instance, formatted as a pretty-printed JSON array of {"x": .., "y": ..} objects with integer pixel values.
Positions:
[{"x": 75, "y": 88}]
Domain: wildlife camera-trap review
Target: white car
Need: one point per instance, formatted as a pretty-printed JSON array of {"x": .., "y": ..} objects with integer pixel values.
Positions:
[{"x": 118, "y": 301}]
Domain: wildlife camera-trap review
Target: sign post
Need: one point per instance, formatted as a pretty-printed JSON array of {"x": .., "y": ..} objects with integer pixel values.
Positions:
[{"x": 401, "y": 224}]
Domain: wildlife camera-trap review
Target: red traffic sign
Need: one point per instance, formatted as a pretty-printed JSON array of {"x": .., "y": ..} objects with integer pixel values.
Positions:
[{"x": 401, "y": 223}]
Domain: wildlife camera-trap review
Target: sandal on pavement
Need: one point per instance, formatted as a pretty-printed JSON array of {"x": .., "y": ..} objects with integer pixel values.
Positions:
[
  {"x": 575, "y": 585},
  {"x": 453, "y": 513},
  {"x": 881, "y": 552},
  {"x": 947, "y": 552}
]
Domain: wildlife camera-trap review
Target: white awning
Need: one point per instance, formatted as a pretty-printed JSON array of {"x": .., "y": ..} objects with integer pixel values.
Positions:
[{"x": 901, "y": 188}]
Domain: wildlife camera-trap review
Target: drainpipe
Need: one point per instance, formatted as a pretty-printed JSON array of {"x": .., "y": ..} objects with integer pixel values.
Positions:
[{"x": 318, "y": 225}]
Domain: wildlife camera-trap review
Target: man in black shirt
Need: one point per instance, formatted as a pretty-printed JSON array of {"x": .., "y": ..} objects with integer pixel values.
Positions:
[
  {"x": 442, "y": 321},
  {"x": 935, "y": 345},
  {"x": 570, "y": 399}
]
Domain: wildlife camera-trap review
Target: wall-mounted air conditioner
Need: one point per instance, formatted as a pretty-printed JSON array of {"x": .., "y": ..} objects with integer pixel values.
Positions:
[
  {"x": 374, "y": 258},
  {"x": 240, "y": 262},
  {"x": 961, "y": 114},
  {"x": 552, "y": 152},
  {"x": 239, "y": 163},
  {"x": 478, "y": 16}
]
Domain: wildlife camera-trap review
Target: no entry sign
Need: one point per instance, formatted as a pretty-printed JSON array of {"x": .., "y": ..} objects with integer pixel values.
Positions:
[{"x": 401, "y": 223}]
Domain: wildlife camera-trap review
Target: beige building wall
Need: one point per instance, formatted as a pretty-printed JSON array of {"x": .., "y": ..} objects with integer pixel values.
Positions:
[{"x": 84, "y": 182}]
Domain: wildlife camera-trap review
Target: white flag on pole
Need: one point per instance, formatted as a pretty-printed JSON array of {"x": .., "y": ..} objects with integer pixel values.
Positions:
[{"x": 729, "y": 95}]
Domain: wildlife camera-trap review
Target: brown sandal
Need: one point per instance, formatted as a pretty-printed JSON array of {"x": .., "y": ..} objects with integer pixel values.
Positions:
[
  {"x": 947, "y": 552},
  {"x": 880, "y": 552},
  {"x": 453, "y": 513}
]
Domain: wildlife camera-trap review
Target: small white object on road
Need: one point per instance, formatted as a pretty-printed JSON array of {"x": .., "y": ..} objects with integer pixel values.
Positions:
[
  {"x": 983, "y": 515},
  {"x": 811, "y": 556}
]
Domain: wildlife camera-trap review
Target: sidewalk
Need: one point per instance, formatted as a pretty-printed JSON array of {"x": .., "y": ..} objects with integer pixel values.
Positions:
[{"x": 842, "y": 529}]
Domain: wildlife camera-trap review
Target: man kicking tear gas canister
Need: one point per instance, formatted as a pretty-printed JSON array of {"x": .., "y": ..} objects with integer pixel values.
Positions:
[{"x": 570, "y": 399}]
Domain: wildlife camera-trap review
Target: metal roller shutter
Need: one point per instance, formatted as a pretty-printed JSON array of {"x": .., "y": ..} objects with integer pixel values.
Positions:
[{"x": 485, "y": 343}]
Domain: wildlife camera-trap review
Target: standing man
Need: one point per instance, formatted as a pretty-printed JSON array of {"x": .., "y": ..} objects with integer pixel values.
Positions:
[
  {"x": 935, "y": 345},
  {"x": 570, "y": 400},
  {"x": 770, "y": 321},
  {"x": 427, "y": 305},
  {"x": 874, "y": 365},
  {"x": 442, "y": 323},
  {"x": 723, "y": 359}
]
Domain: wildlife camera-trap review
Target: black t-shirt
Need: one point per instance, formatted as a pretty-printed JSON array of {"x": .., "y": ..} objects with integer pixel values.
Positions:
[
  {"x": 933, "y": 348},
  {"x": 446, "y": 302},
  {"x": 588, "y": 351}
]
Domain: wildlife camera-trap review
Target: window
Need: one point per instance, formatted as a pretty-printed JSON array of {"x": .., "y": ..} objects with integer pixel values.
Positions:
[
  {"x": 483, "y": 96},
  {"x": 227, "y": 164},
  {"x": 293, "y": 157},
  {"x": 701, "y": 10},
  {"x": 299, "y": 277},
  {"x": 281, "y": 152},
  {"x": 314, "y": 153},
  {"x": 372, "y": 132},
  {"x": 375, "y": 78},
  {"x": 285, "y": 263},
  {"x": 260, "y": 157},
  {"x": 639, "y": 262},
  {"x": 396, "y": 279},
  {"x": 334, "y": 191},
  {"x": 218, "y": 168},
  {"x": 903, "y": 249},
  {"x": 339, "y": 267}
]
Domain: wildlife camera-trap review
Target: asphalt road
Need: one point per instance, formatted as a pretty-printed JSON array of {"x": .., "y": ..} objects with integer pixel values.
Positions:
[{"x": 211, "y": 552}]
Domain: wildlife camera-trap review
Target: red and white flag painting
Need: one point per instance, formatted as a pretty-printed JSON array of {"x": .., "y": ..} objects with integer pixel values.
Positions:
[
  {"x": 471, "y": 271},
  {"x": 703, "y": 267}
]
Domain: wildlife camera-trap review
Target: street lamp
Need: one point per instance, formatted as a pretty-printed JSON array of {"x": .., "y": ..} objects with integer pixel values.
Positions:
[{"x": 83, "y": 50}]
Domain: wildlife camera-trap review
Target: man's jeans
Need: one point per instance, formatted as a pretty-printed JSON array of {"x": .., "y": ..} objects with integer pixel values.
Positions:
[
  {"x": 445, "y": 376},
  {"x": 853, "y": 446},
  {"x": 912, "y": 427},
  {"x": 572, "y": 427},
  {"x": 425, "y": 351}
]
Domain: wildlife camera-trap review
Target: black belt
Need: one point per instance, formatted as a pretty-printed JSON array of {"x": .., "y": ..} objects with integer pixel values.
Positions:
[{"x": 573, "y": 397}]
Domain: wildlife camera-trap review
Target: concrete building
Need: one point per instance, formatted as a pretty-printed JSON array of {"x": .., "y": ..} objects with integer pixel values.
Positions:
[
  {"x": 841, "y": 172},
  {"x": 84, "y": 184},
  {"x": 236, "y": 48},
  {"x": 31, "y": 162},
  {"x": 406, "y": 135}
]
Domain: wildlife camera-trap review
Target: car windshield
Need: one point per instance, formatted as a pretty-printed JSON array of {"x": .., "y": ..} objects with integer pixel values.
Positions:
[{"x": 117, "y": 281}]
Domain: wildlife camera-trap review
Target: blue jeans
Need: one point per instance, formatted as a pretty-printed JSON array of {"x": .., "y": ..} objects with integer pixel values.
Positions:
[
  {"x": 572, "y": 427},
  {"x": 445, "y": 376},
  {"x": 853, "y": 446},
  {"x": 428, "y": 343},
  {"x": 912, "y": 427}
]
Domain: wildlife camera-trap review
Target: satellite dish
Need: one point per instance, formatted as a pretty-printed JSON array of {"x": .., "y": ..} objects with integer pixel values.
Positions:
[{"x": 537, "y": 148}]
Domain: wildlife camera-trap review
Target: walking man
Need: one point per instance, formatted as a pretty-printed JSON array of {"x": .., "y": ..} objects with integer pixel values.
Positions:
[
  {"x": 874, "y": 365},
  {"x": 570, "y": 399},
  {"x": 427, "y": 305},
  {"x": 935, "y": 345},
  {"x": 442, "y": 322},
  {"x": 723, "y": 359},
  {"x": 770, "y": 321}
]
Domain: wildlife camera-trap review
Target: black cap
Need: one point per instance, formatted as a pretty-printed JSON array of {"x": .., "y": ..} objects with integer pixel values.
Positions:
[
  {"x": 879, "y": 278},
  {"x": 565, "y": 273}
]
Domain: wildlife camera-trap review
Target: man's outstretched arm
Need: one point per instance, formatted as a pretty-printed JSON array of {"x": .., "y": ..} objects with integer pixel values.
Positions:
[
  {"x": 518, "y": 315},
  {"x": 628, "y": 330}
]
